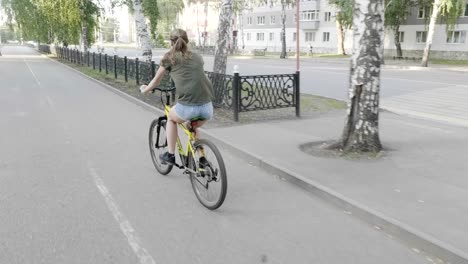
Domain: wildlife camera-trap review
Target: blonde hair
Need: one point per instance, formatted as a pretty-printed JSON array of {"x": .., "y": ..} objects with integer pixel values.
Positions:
[{"x": 179, "y": 43}]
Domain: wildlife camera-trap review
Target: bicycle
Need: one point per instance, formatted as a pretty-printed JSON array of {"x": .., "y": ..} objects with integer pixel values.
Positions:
[{"x": 204, "y": 176}]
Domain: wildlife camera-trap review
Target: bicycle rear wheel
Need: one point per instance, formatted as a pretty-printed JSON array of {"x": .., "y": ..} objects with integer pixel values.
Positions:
[
  {"x": 158, "y": 145},
  {"x": 210, "y": 183}
]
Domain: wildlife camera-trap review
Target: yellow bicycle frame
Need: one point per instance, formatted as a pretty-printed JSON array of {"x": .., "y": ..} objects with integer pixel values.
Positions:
[{"x": 190, "y": 137}]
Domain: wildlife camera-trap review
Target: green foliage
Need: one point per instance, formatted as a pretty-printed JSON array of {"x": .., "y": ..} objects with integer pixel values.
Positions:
[
  {"x": 344, "y": 15},
  {"x": 151, "y": 11},
  {"x": 169, "y": 9},
  {"x": 450, "y": 11},
  {"x": 396, "y": 12},
  {"x": 52, "y": 20}
]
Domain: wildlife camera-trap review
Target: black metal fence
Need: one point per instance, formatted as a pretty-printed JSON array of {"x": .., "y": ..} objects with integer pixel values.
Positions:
[
  {"x": 236, "y": 92},
  {"x": 44, "y": 49}
]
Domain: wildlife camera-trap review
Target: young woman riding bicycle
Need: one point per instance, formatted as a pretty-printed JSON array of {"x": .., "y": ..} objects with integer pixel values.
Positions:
[{"x": 194, "y": 90}]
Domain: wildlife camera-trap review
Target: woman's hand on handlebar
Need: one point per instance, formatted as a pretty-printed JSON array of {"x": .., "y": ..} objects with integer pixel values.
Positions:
[{"x": 144, "y": 89}]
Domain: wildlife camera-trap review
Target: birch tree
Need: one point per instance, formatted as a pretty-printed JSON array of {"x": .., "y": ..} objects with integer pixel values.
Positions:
[
  {"x": 396, "y": 12},
  {"x": 344, "y": 21},
  {"x": 224, "y": 36},
  {"x": 142, "y": 30},
  {"x": 361, "y": 131},
  {"x": 451, "y": 10}
]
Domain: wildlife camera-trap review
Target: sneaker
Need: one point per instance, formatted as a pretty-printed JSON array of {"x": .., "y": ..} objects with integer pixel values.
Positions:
[
  {"x": 167, "y": 158},
  {"x": 203, "y": 162}
]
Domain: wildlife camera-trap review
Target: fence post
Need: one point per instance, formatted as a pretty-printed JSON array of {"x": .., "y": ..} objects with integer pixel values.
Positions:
[
  {"x": 137, "y": 71},
  {"x": 297, "y": 90},
  {"x": 115, "y": 66},
  {"x": 87, "y": 57},
  {"x": 153, "y": 70},
  {"x": 105, "y": 63},
  {"x": 94, "y": 60},
  {"x": 100, "y": 63},
  {"x": 236, "y": 93},
  {"x": 125, "y": 68}
]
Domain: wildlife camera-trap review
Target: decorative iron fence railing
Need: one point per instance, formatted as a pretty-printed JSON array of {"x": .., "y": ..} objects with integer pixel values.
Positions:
[{"x": 236, "y": 92}]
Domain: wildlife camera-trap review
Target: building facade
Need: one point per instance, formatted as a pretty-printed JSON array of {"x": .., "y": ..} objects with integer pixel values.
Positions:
[{"x": 260, "y": 28}]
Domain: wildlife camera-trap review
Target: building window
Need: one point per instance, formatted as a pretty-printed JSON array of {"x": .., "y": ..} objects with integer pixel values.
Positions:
[
  {"x": 421, "y": 36},
  {"x": 272, "y": 20},
  {"x": 309, "y": 15},
  {"x": 248, "y": 36},
  {"x": 260, "y": 36},
  {"x": 261, "y": 20},
  {"x": 272, "y": 36},
  {"x": 326, "y": 36},
  {"x": 401, "y": 36},
  {"x": 294, "y": 36},
  {"x": 309, "y": 36},
  {"x": 327, "y": 16},
  {"x": 249, "y": 20},
  {"x": 456, "y": 37},
  {"x": 424, "y": 12}
]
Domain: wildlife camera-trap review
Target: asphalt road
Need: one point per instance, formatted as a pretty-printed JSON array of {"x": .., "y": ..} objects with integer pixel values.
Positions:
[{"x": 77, "y": 186}]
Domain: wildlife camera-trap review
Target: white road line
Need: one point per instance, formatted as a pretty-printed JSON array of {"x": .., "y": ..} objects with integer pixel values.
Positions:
[
  {"x": 50, "y": 102},
  {"x": 143, "y": 256},
  {"x": 34, "y": 75}
]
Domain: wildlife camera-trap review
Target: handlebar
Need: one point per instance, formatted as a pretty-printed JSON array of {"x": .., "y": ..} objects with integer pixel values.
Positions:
[{"x": 170, "y": 89}]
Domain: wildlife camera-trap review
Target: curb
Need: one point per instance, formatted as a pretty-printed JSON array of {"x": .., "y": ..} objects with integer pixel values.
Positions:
[{"x": 407, "y": 234}]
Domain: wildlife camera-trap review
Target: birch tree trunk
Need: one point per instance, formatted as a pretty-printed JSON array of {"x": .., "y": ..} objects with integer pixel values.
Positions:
[
  {"x": 341, "y": 37},
  {"x": 283, "y": 29},
  {"x": 396, "y": 32},
  {"x": 224, "y": 26},
  {"x": 198, "y": 29},
  {"x": 142, "y": 30},
  {"x": 206, "y": 23},
  {"x": 430, "y": 33},
  {"x": 221, "y": 52},
  {"x": 361, "y": 132},
  {"x": 241, "y": 25},
  {"x": 84, "y": 38}
]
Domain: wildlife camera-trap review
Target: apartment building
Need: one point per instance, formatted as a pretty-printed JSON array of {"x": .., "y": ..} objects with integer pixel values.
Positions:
[{"x": 260, "y": 28}]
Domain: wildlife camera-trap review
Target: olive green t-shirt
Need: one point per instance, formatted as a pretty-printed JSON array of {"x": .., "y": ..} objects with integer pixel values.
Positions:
[{"x": 192, "y": 85}]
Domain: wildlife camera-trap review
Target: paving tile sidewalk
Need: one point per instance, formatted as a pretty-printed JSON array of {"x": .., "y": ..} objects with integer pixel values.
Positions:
[{"x": 421, "y": 180}]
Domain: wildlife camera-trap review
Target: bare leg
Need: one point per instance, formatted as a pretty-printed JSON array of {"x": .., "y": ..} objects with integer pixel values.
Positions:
[{"x": 171, "y": 129}]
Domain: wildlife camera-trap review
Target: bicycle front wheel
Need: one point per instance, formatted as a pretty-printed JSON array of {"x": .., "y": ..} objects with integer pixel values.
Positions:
[
  {"x": 158, "y": 145},
  {"x": 210, "y": 181}
]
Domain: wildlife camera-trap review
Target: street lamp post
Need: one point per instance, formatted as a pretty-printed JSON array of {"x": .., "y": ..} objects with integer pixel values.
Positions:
[{"x": 297, "y": 35}]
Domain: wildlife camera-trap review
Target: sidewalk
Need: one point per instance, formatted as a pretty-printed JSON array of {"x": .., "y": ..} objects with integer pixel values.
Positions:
[{"x": 420, "y": 184}]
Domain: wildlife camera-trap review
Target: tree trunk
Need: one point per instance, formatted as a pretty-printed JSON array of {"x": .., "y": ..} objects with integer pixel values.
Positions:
[
  {"x": 198, "y": 29},
  {"x": 241, "y": 25},
  {"x": 84, "y": 38},
  {"x": 142, "y": 30},
  {"x": 206, "y": 23},
  {"x": 283, "y": 29},
  {"x": 361, "y": 132},
  {"x": 224, "y": 26},
  {"x": 341, "y": 38},
  {"x": 430, "y": 34},
  {"x": 399, "y": 52}
]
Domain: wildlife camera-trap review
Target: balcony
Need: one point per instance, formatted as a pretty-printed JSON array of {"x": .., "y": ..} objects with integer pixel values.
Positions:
[{"x": 310, "y": 25}]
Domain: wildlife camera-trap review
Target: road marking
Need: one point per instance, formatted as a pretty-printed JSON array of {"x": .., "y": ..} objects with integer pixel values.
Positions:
[
  {"x": 34, "y": 75},
  {"x": 143, "y": 256},
  {"x": 50, "y": 102}
]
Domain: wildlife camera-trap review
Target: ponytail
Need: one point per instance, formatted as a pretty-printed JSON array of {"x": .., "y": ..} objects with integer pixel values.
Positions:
[{"x": 179, "y": 44}]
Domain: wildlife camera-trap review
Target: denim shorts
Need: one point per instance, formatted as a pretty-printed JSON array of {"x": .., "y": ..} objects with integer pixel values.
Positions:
[{"x": 187, "y": 112}]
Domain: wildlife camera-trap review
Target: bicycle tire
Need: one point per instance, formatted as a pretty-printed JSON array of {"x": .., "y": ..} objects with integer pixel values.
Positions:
[
  {"x": 152, "y": 136},
  {"x": 196, "y": 184}
]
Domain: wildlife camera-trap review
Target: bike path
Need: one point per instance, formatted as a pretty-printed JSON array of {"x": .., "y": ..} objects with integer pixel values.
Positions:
[
  {"x": 101, "y": 201},
  {"x": 419, "y": 183}
]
